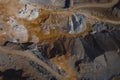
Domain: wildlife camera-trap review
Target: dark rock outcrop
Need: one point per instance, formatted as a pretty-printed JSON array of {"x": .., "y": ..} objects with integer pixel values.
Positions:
[{"x": 116, "y": 9}]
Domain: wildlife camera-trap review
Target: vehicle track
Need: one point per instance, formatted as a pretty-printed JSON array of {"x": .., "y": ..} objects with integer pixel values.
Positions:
[
  {"x": 87, "y": 14},
  {"x": 100, "y": 19},
  {"x": 97, "y": 5}
]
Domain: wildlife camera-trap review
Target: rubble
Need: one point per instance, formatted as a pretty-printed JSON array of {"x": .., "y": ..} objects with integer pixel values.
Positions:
[
  {"x": 16, "y": 33},
  {"x": 29, "y": 12}
]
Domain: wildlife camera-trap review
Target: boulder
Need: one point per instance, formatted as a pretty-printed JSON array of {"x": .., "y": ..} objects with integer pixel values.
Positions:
[
  {"x": 77, "y": 24},
  {"x": 16, "y": 32}
]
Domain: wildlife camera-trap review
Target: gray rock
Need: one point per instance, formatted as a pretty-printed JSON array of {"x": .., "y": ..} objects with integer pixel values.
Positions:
[
  {"x": 99, "y": 43},
  {"x": 101, "y": 60},
  {"x": 115, "y": 35},
  {"x": 116, "y": 12},
  {"x": 92, "y": 49},
  {"x": 77, "y": 49},
  {"x": 77, "y": 24},
  {"x": 98, "y": 27},
  {"x": 106, "y": 42},
  {"x": 17, "y": 34},
  {"x": 101, "y": 26}
]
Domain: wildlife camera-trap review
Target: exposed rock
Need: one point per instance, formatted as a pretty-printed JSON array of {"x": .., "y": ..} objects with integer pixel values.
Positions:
[
  {"x": 116, "y": 9},
  {"x": 55, "y": 49},
  {"x": 101, "y": 60},
  {"x": 77, "y": 49},
  {"x": 116, "y": 12},
  {"x": 106, "y": 42},
  {"x": 29, "y": 12},
  {"x": 16, "y": 33},
  {"x": 101, "y": 26},
  {"x": 92, "y": 49},
  {"x": 60, "y": 37},
  {"x": 98, "y": 27},
  {"x": 115, "y": 35},
  {"x": 77, "y": 24}
]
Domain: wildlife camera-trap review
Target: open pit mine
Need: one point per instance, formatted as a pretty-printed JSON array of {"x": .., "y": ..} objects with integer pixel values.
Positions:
[{"x": 59, "y": 39}]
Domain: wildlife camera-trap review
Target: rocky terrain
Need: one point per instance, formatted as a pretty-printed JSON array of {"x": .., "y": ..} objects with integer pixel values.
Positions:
[{"x": 59, "y": 40}]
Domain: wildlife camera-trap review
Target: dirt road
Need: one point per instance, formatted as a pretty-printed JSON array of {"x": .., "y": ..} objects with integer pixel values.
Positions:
[
  {"x": 97, "y": 5},
  {"x": 32, "y": 57}
]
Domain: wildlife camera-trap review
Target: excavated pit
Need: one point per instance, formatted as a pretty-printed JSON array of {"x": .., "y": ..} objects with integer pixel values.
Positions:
[{"x": 59, "y": 40}]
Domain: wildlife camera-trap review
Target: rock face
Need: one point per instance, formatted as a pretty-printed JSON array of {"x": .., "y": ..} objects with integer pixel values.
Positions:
[
  {"x": 87, "y": 56},
  {"x": 28, "y": 12},
  {"x": 116, "y": 10},
  {"x": 98, "y": 47},
  {"x": 101, "y": 27},
  {"x": 77, "y": 23}
]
